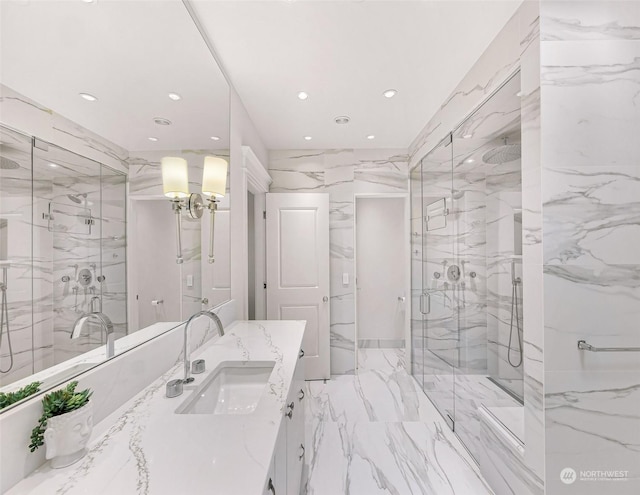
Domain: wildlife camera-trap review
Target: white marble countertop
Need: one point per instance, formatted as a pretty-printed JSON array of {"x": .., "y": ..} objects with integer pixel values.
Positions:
[{"x": 144, "y": 447}]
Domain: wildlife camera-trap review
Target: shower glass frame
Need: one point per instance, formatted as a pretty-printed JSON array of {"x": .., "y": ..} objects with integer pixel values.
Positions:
[{"x": 450, "y": 349}]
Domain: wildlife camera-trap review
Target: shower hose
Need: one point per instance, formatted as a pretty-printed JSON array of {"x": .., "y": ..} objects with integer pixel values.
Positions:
[
  {"x": 4, "y": 321},
  {"x": 514, "y": 310}
]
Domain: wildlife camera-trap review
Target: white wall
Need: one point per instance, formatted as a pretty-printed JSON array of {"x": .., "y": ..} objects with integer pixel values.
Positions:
[
  {"x": 380, "y": 269},
  {"x": 243, "y": 133}
]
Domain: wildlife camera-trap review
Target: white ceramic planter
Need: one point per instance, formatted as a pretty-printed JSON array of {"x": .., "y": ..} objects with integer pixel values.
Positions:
[{"x": 67, "y": 435}]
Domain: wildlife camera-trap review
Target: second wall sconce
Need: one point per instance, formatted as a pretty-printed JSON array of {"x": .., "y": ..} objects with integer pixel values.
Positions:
[{"x": 175, "y": 185}]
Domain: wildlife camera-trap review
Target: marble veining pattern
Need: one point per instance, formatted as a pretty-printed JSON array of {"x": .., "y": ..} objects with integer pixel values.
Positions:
[{"x": 376, "y": 432}]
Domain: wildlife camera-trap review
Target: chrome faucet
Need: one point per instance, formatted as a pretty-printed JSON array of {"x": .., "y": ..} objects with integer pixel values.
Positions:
[
  {"x": 105, "y": 323},
  {"x": 187, "y": 345}
]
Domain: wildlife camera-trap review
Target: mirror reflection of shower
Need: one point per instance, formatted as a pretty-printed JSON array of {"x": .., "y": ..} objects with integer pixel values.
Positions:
[
  {"x": 515, "y": 321},
  {"x": 5, "y": 335},
  {"x": 78, "y": 198}
]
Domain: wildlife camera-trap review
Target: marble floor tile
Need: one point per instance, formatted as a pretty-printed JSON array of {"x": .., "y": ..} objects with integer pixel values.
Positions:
[{"x": 376, "y": 432}]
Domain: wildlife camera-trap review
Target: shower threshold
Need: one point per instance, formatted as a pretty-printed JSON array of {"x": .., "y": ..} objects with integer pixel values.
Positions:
[{"x": 506, "y": 390}]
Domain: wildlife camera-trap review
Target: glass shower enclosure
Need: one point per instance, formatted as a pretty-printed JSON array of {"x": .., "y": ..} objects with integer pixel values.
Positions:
[{"x": 466, "y": 219}]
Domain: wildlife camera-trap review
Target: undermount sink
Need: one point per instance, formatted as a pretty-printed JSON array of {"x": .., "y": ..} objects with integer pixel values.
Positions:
[{"x": 234, "y": 387}]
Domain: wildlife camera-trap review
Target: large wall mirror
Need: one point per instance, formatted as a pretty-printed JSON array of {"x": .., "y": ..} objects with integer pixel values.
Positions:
[{"x": 92, "y": 96}]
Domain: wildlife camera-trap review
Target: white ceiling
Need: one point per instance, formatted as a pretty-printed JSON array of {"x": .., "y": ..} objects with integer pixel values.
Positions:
[
  {"x": 345, "y": 54},
  {"x": 130, "y": 54}
]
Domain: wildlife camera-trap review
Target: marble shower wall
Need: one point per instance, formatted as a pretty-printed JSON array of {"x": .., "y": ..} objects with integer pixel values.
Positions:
[
  {"x": 504, "y": 303},
  {"x": 590, "y": 123},
  {"x": 342, "y": 174}
]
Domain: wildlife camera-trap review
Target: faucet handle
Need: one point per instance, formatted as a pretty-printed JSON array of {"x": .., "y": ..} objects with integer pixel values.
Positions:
[
  {"x": 198, "y": 366},
  {"x": 174, "y": 388}
]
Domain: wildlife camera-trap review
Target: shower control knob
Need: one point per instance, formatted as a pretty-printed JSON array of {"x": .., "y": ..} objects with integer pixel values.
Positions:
[
  {"x": 66, "y": 278},
  {"x": 473, "y": 274},
  {"x": 101, "y": 278},
  {"x": 205, "y": 300}
]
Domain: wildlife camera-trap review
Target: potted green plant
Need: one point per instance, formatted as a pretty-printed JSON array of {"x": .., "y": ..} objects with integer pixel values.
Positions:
[{"x": 65, "y": 425}]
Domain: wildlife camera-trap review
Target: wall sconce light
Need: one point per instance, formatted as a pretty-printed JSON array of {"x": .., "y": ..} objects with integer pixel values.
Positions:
[
  {"x": 214, "y": 185},
  {"x": 175, "y": 185}
]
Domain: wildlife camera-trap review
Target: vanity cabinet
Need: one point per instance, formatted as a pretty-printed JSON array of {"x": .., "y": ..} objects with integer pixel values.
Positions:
[
  {"x": 294, "y": 420},
  {"x": 285, "y": 474}
]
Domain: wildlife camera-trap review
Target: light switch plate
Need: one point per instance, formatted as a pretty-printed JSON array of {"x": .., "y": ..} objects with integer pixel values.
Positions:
[
  {"x": 189, "y": 280},
  {"x": 345, "y": 279}
]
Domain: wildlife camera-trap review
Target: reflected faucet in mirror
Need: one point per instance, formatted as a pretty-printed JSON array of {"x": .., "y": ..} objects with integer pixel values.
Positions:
[{"x": 105, "y": 323}]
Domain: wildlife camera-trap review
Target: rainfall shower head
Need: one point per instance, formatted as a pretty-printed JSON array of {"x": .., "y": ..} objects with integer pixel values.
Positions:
[
  {"x": 503, "y": 154},
  {"x": 7, "y": 164},
  {"x": 76, "y": 198}
]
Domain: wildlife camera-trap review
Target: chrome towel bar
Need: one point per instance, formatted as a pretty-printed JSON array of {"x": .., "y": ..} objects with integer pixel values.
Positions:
[{"x": 583, "y": 346}]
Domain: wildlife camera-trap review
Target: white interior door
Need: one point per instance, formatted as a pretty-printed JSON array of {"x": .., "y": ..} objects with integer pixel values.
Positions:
[
  {"x": 298, "y": 271},
  {"x": 380, "y": 270}
]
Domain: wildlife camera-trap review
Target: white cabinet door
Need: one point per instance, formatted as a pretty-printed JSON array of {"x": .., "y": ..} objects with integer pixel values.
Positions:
[
  {"x": 295, "y": 431},
  {"x": 279, "y": 475},
  {"x": 298, "y": 271}
]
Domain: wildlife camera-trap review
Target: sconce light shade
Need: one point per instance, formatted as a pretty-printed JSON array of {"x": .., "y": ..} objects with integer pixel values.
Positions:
[
  {"x": 175, "y": 177},
  {"x": 214, "y": 176}
]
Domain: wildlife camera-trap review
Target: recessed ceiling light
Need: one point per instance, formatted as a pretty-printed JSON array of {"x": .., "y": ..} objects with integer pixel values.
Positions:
[
  {"x": 469, "y": 160},
  {"x": 88, "y": 1},
  {"x": 175, "y": 96},
  {"x": 215, "y": 138},
  {"x": 307, "y": 138},
  {"x": 88, "y": 97},
  {"x": 390, "y": 93},
  {"x": 151, "y": 138},
  {"x": 302, "y": 95},
  {"x": 162, "y": 121},
  {"x": 53, "y": 165},
  {"x": 467, "y": 136},
  {"x": 343, "y": 119},
  {"x": 371, "y": 136}
]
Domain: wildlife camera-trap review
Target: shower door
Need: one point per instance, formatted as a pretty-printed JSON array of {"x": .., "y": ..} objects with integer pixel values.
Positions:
[{"x": 437, "y": 306}]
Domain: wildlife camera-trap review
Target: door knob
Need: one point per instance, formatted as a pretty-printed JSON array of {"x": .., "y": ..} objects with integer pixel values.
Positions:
[
  {"x": 157, "y": 302},
  {"x": 325, "y": 299}
]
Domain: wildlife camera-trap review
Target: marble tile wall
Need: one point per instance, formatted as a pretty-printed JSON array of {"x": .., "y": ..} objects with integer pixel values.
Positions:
[
  {"x": 341, "y": 173},
  {"x": 504, "y": 303},
  {"x": 590, "y": 123}
]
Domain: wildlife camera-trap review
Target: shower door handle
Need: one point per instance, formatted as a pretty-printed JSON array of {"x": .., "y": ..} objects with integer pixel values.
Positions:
[{"x": 425, "y": 303}]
